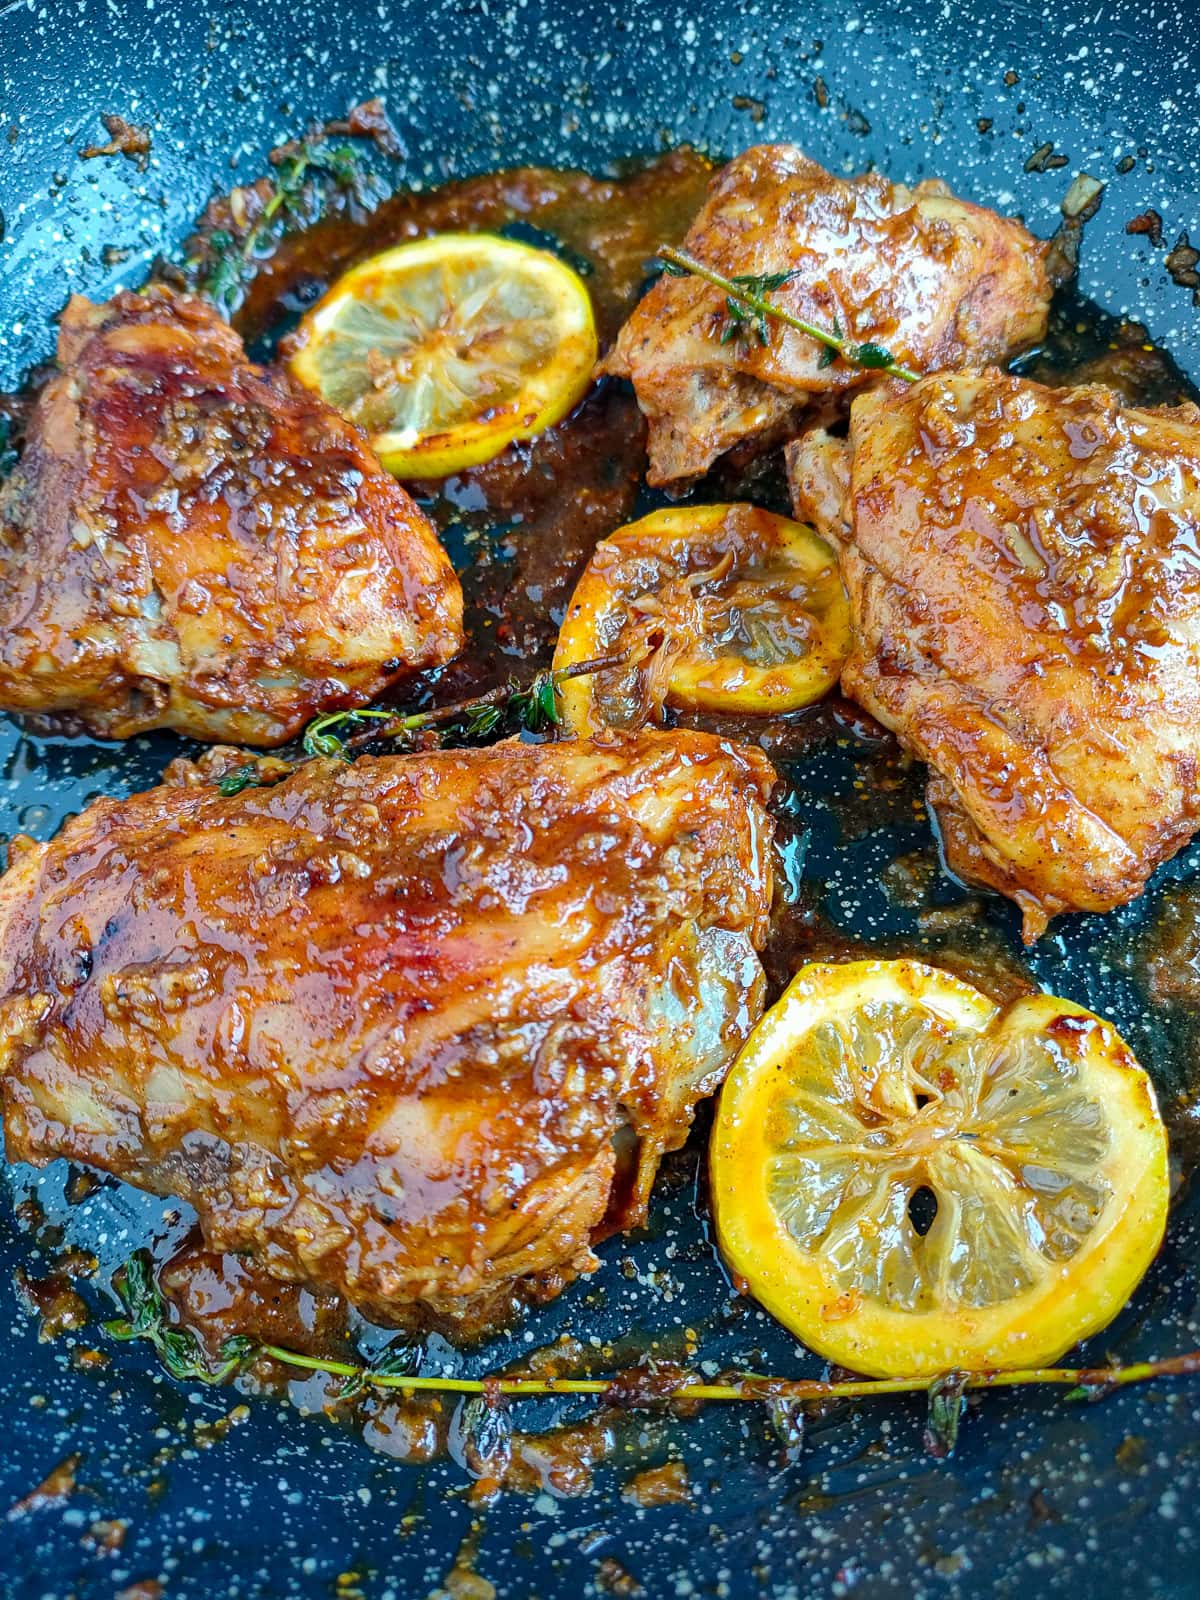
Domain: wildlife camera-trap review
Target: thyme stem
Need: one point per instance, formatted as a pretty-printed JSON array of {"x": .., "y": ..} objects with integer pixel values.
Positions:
[
  {"x": 148, "y": 1317},
  {"x": 754, "y": 1387},
  {"x": 501, "y": 695},
  {"x": 870, "y": 356}
]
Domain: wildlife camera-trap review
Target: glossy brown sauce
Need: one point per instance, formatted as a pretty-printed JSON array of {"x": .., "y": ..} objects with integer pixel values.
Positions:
[{"x": 520, "y": 530}]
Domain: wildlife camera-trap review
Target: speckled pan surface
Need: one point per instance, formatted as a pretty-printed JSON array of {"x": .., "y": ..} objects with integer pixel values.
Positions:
[{"x": 1041, "y": 1498}]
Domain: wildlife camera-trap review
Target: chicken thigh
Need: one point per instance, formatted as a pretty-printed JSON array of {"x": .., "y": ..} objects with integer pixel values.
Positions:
[
  {"x": 939, "y": 282},
  {"x": 1023, "y": 566},
  {"x": 191, "y": 541},
  {"x": 417, "y": 1029}
]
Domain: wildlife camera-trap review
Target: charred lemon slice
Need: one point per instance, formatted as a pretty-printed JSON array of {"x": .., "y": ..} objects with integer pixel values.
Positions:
[
  {"x": 720, "y": 608},
  {"x": 447, "y": 349},
  {"x": 914, "y": 1181}
]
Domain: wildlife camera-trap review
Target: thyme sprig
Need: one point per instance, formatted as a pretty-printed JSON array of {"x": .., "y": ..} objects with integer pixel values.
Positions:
[
  {"x": 1084, "y": 1383},
  {"x": 180, "y": 1351},
  {"x": 533, "y": 706},
  {"x": 747, "y": 310},
  {"x": 233, "y": 258},
  {"x": 397, "y": 1367}
]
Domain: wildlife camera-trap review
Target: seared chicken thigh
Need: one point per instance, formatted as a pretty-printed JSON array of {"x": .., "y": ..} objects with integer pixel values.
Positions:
[
  {"x": 939, "y": 282},
  {"x": 191, "y": 541},
  {"x": 1023, "y": 566},
  {"x": 416, "y": 1029}
]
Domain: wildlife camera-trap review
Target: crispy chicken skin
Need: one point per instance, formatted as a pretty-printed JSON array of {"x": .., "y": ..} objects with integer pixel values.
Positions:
[
  {"x": 1025, "y": 584},
  {"x": 389, "y": 1026},
  {"x": 191, "y": 541},
  {"x": 939, "y": 282}
]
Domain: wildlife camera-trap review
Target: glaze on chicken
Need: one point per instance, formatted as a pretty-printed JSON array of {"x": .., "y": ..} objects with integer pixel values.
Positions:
[
  {"x": 1024, "y": 574},
  {"x": 191, "y": 541},
  {"x": 415, "y": 1029},
  {"x": 938, "y": 282}
]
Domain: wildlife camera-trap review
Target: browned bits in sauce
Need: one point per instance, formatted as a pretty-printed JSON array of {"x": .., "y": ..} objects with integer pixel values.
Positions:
[
  {"x": 107, "y": 1534},
  {"x": 1169, "y": 954},
  {"x": 1182, "y": 264},
  {"x": 58, "y": 1485},
  {"x": 1044, "y": 159},
  {"x": 81, "y": 1185},
  {"x": 1148, "y": 222},
  {"x": 649, "y": 1384},
  {"x": 463, "y": 1581},
  {"x": 410, "y": 1431},
  {"x": 128, "y": 139},
  {"x": 615, "y": 1579},
  {"x": 59, "y": 1308},
  {"x": 667, "y": 1485}
]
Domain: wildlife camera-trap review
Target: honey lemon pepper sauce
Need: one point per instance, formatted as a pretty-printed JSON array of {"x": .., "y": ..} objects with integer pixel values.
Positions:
[{"x": 520, "y": 529}]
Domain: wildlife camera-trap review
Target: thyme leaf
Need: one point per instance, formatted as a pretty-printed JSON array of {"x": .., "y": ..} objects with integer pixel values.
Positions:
[
  {"x": 231, "y": 783},
  {"x": 180, "y": 1351},
  {"x": 320, "y": 738},
  {"x": 231, "y": 261},
  {"x": 764, "y": 282},
  {"x": 1089, "y": 1393},
  {"x": 946, "y": 1403},
  {"x": 399, "y": 1359},
  {"x": 789, "y": 1425},
  {"x": 872, "y": 355},
  {"x": 742, "y": 308},
  {"x": 485, "y": 1429},
  {"x": 537, "y": 707},
  {"x": 747, "y": 310},
  {"x": 480, "y": 722}
]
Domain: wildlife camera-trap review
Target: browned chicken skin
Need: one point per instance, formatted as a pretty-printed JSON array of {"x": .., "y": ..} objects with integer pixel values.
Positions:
[
  {"x": 389, "y": 1025},
  {"x": 193, "y": 542},
  {"x": 937, "y": 281},
  {"x": 1024, "y": 573}
]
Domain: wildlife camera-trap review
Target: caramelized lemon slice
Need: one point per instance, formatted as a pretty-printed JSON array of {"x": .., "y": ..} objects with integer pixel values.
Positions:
[
  {"x": 723, "y": 608},
  {"x": 447, "y": 349},
  {"x": 913, "y": 1181}
]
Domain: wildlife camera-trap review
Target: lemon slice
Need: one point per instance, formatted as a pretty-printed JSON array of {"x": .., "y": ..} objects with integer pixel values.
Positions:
[
  {"x": 1030, "y": 1137},
  {"x": 447, "y": 349},
  {"x": 721, "y": 608}
]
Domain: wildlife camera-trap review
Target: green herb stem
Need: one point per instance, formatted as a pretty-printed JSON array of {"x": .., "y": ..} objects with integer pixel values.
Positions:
[
  {"x": 535, "y": 705},
  {"x": 740, "y": 292},
  {"x": 524, "y": 701},
  {"x": 148, "y": 1317},
  {"x": 754, "y": 1387}
]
